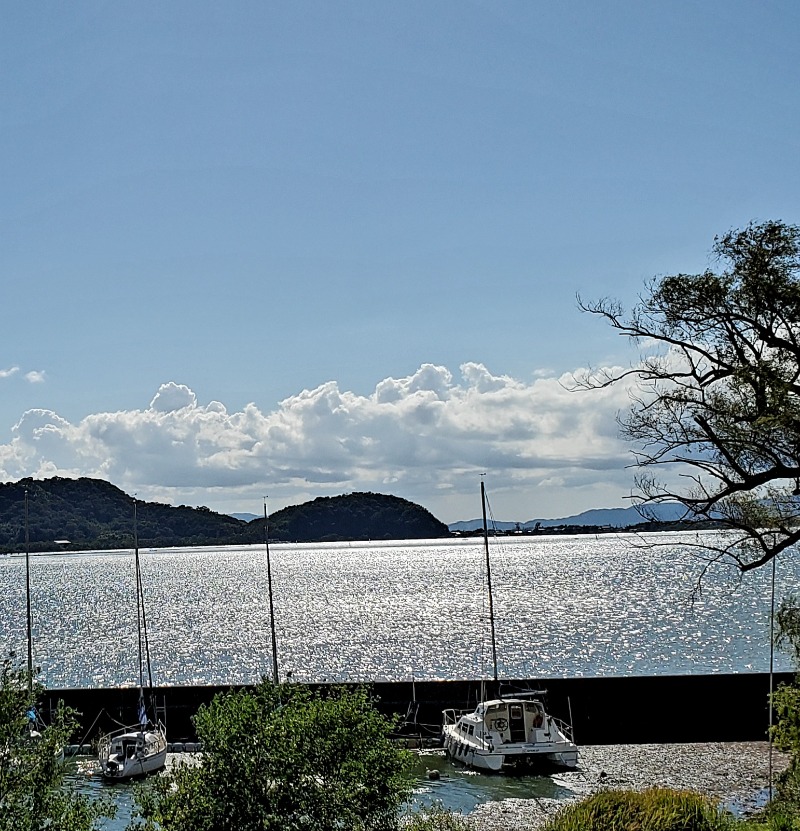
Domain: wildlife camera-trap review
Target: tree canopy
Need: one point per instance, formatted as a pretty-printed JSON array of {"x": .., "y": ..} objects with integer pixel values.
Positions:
[
  {"x": 716, "y": 416},
  {"x": 283, "y": 757}
]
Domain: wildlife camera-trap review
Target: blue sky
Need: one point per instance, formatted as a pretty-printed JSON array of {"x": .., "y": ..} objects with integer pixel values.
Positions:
[{"x": 308, "y": 248}]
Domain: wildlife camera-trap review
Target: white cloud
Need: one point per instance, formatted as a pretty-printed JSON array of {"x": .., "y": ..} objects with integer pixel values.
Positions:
[
  {"x": 425, "y": 437},
  {"x": 35, "y": 376},
  {"x": 7, "y": 373},
  {"x": 171, "y": 397}
]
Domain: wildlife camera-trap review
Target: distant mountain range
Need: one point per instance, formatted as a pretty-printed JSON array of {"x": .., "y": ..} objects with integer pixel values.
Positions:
[{"x": 598, "y": 517}]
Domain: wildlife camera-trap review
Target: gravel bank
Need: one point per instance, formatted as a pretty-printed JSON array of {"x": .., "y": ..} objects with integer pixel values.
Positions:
[{"x": 735, "y": 773}]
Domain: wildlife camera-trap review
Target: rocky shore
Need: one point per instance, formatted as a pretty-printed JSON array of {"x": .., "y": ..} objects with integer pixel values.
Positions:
[{"x": 735, "y": 773}]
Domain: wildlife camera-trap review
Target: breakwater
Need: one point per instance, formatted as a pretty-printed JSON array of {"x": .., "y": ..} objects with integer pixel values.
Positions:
[{"x": 616, "y": 710}]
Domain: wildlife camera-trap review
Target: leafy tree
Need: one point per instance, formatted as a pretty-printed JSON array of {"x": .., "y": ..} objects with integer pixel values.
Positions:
[
  {"x": 284, "y": 758},
  {"x": 718, "y": 397},
  {"x": 33, "y": 795}
]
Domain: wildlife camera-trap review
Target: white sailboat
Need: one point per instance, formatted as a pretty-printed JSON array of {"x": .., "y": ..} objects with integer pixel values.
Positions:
[
  {"x": 506, "y": 732},
  {"x": 142, "y": 748}
]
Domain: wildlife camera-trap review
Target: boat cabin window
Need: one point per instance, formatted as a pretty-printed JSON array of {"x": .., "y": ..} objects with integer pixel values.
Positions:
[
  {"x": 516, "y": 711},
  {"x": 471, "y": 730}
]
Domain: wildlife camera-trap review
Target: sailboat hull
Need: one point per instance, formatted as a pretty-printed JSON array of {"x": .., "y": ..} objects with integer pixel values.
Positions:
[{"x": 132, "y": 752}]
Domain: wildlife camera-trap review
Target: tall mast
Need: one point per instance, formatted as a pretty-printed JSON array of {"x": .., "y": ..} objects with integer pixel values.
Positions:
[
  {"x": 271, "y": 605},
  {"x": 28, "y": 596},
  {"x": 141, "y": 619},
  {"x": 489, "y": 579}
]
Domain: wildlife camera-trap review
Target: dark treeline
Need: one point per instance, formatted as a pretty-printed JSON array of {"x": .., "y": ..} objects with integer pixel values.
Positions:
[{"x": 91, "y": 513}]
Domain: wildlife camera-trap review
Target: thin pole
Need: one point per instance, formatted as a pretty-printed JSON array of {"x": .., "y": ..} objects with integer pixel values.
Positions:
[
  {"x": 771, "y": 668},
  {"x": 28, "y": 596},
  {"x": 489, "y": 579},
  {"x": 271, "y": 604},
  {"x": 144, "y": 643},
  {"x": 139, "y": 604}
]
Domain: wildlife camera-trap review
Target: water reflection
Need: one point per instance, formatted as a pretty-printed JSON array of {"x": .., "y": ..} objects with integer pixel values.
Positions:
[
  {"x": 463, "y": 790},
  {"x": 565, "y": 606}
]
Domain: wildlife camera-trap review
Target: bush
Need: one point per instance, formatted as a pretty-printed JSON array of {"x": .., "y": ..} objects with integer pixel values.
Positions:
[
  {"x": 656, "y": 809},
  {"x": 33, "y": 795},
  {"x": 282, "y": 757},
  {"x": 435, "y": 819}
]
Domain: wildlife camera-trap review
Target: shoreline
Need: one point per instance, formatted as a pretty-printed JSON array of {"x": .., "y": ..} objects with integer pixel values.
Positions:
[{"x": 734, "y": 773}]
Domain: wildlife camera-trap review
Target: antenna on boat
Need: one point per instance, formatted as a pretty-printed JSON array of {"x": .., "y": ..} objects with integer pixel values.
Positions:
[
  {"x": 489, "y": 578},
  {"x": 271, "y": 605},
  {"x": 28, "y": 595}
]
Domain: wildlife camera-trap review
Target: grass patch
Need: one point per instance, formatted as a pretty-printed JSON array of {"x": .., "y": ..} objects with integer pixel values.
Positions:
[{"x": 655, "y": 809}]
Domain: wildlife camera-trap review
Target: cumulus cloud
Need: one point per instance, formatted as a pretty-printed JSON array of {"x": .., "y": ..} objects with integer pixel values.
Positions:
[
  {"x": 425, "y": 436},
  {"x": 35, "y": 376},
  {"x": 171, "y": 397},
  {"x": 7, "y": 373}
]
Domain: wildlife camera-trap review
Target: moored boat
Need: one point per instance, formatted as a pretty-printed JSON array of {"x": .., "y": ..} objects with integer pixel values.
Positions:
[
  {"x": 140, "y": 749},
  {"x": 506, "y": 733},
  {"x": 133, "y": 751}
]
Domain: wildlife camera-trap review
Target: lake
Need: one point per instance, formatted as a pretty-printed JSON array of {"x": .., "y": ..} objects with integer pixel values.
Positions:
[
  {"x": 612, "y": 604},
  {"x": 615, "y": 604}
]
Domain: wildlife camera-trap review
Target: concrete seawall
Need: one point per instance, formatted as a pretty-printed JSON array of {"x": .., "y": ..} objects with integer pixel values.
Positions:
[{"x": 630, "y": 710}]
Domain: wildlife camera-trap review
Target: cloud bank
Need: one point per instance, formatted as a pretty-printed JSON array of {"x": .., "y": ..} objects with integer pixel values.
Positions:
[{"x": 425, "y": 437}]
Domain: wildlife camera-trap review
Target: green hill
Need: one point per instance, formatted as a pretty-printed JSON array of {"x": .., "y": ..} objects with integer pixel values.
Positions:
[
  {"x": 356, "y": 516},
  {"x": 92, "y": 514}
]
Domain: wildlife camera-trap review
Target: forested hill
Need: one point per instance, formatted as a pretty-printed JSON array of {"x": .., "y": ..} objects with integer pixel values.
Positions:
[
  {"x": 356, "y": 516},
  {"x": 76, "y": 514}
]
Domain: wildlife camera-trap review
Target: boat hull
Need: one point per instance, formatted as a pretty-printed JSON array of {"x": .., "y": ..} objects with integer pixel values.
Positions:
[
  {"x": 510, "y": 757},
  {"x": 128, "y": 754}
]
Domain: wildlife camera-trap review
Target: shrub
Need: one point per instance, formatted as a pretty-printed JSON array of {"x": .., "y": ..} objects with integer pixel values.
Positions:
[
  {"x": 435, "y": 818},
  {"x": 282, "y": 757},
  {"x": 33, "y": 794},
  {"x": 655, "y": 809}
]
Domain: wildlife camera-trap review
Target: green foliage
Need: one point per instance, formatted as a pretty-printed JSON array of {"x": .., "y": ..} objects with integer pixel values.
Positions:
[
  {"x": 655, "y": 809},
  {"x": 435, "y": 818},
  {"x": 284, "y": 758},
  {"x": 33, "y": 796}
]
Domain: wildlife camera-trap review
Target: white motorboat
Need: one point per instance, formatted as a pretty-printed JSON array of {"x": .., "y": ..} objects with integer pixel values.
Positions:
[
  {"x": 141, "y": 749},
  {"x": 506, "y": 733}
]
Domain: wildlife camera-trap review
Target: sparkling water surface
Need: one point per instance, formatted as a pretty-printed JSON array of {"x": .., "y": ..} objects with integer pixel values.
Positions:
[{"x": 614, "y": 604}]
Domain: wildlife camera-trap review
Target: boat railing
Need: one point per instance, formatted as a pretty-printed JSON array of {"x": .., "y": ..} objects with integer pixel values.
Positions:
[
  {"x": 452, "y": 716},
  {"x": 564, "y": 728},
  {"x": 449, "y": 716}
]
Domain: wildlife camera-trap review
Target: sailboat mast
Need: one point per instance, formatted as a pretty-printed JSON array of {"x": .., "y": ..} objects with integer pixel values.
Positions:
[
  {"x": 28, "y": 595},
  {"x": 141, "y": 618},
  {"x": 271, "y": 605},
  {"x": 139, "y": 609},
  {"x": 489, "y": 579}
]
